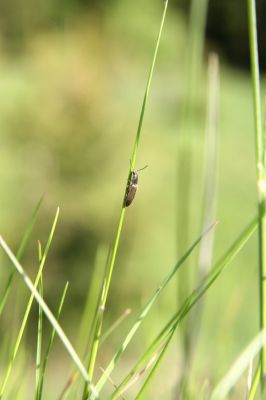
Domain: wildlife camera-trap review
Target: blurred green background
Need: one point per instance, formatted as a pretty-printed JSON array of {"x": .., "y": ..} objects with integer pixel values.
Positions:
[{"x": 72, "y": 78}]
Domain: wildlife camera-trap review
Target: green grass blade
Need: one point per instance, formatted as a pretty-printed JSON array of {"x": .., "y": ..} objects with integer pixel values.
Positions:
[
  {"x": 28, "y": 308},
  {"x": 122, "y": 214},
  {"x": 191, "y": 300},
  {"x": 146, "y": 309},
  {"x": 49, "y": 346},
  {"x": 156, "y": 366},
  {"x": 226, "y": 384},
  {"x": 89, "y": 316},
  {"x": 70, "y": 349},
  {"x": 143, "y": 108},
  {"x": 115, "y": 325},
  {"x": 92, "y": 301},
  {"x": 20, "y": 253},
  {"x": 254, "y": 384},
  {"x": 40, "y": 331},
  {"x": 260, "y": 164},
  {"x": 208, "y": 214}
]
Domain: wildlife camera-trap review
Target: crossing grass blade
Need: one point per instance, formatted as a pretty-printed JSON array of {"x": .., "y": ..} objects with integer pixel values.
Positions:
[
  {"x": 169, "y": 329},
  {"x": 39, "y": 331},
  {"x": 70, "y": 349},
  {"x": 20, "y": 254},
  {"x": 227, "y": 383},
  {"x": 28, "y": 308},
  {"x": 49, "y": 346},
  {"x": 146, "y": 310}
]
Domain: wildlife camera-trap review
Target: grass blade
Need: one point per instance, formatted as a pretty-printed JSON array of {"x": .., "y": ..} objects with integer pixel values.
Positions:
[
  {"x": 191, "y": 300},
  {"x": 145, "y": 311},
  {"x": 28, "y": 308},
  {"x": 226, "y": 384},
  {"x": 89, "y": 317},
  {"x": 20, "y": 253},
  {"x": 40, "y": 331},
  {"x": 254, "y": 384},
  {"x": 260, "y": 164},
  {"x": 70, "y": 349},
  {"x": 115, "y": 325},
  {"x": 49, "y": 346},
  {"x": 122, "y": 214}
]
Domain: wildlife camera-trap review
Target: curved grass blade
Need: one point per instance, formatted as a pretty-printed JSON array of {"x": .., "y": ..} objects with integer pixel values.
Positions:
[
  {"x": 28, "y": 308},
  {"x": 20, "y": 253},
  {"x": 191, "y": 300},
  {"x": 49, "y": 346},
  {"x": 146, "y": 309},
  {"x": 70, "y": 349},
  {"x": 122, "y": 214}
]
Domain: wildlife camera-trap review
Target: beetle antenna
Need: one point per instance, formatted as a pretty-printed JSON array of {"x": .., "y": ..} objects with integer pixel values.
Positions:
[{"x": 142, "y": 168}]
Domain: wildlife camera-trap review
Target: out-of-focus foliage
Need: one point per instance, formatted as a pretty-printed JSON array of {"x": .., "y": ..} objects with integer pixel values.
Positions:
[
  {"x": 227, "y": 28},
  {"x": 20, "y": 19}
]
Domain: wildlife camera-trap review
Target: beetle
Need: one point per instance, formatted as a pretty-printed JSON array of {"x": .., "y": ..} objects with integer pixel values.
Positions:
[{"x": 132, "y": 187}]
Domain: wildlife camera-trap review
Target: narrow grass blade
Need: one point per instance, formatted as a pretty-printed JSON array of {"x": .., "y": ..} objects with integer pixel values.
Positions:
[
  {"x": 254, "y": 384},
  {"x": 40, "y": 331},
  {"x": 70, "y": 349},
  {"x": 49, "y": 346},
  {"x": 145, "y": 311},
  {"x": 122, "y": 214},
  {"x": 20, "y": 253},
  {"x": 260, "y": 164},
  {"x": 191, "y": 300},
  {"x": 115, "y": 325},
  {"x": 100, "y": 265},
  {"x": 208, "y": 214},
  {"x": 226, "y": 384},
  {"x": 28, "y": 308},
  {"x": 155, "y": 367},
  {"x": 89, "y": 316}
]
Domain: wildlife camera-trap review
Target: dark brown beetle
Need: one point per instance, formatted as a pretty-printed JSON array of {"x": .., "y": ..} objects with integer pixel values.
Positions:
[{"x": 132, "y": 187}]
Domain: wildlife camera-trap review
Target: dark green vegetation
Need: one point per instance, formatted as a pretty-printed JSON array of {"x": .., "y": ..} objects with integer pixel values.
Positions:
[{"x": 70, "y": 102}]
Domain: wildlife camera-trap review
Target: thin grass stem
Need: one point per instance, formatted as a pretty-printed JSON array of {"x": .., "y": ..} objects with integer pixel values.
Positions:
[
  {"x": 50, "y": 343},
  {"x": 39, "y": 332},
  {"x": 109, "y": 274},
  {"x": 260, "y": 164},
  {"x": 20, "y": 254}
]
